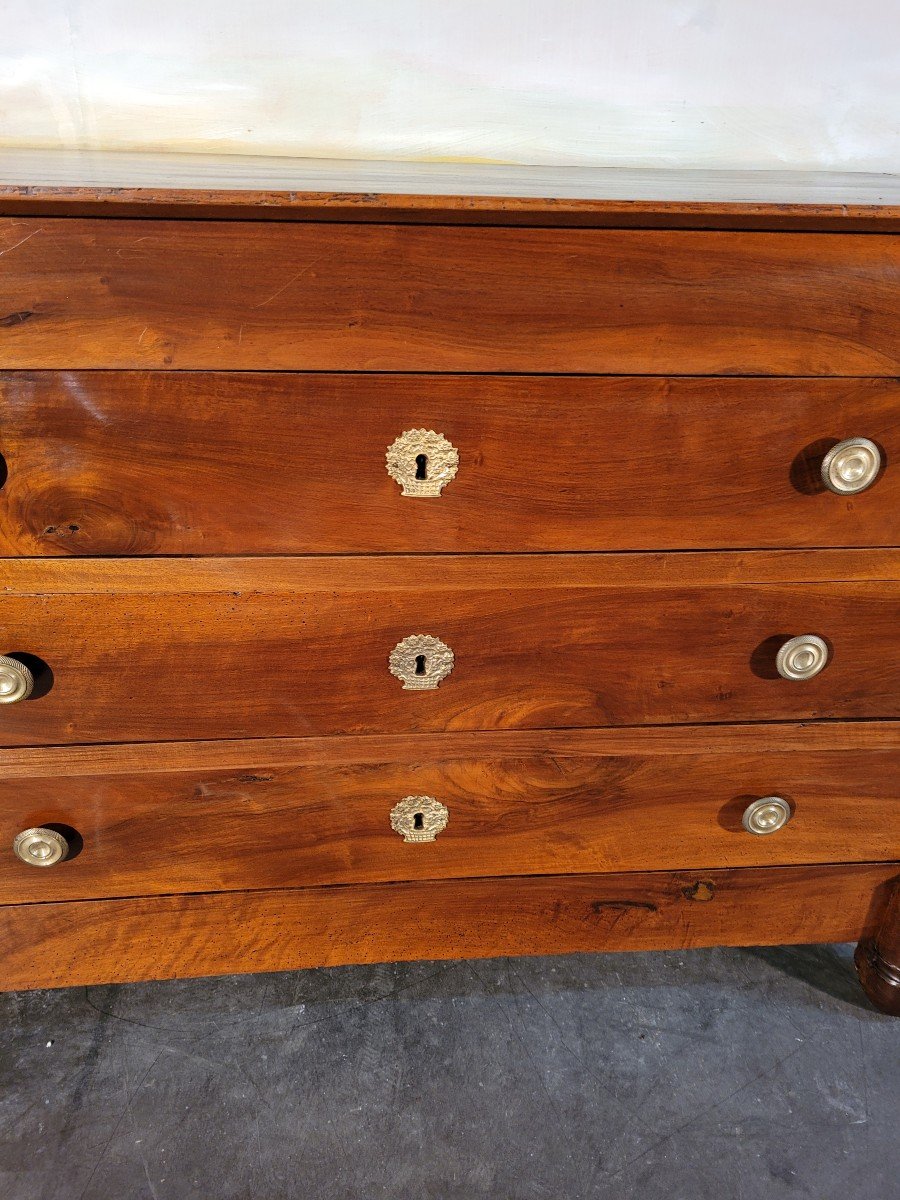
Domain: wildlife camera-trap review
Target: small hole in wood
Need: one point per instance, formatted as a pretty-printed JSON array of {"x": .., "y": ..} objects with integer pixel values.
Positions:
[
  {"x": 421, "y": 466},
  {"x": 418, "y": 821},
  {"x": 420, "y": 664}
]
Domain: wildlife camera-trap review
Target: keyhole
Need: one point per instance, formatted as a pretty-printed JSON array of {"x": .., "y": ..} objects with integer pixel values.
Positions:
[
  {"x": 421, "y": 466},
  {"x": 418, "y": 821},
  {"x": 420, "y": 664}
]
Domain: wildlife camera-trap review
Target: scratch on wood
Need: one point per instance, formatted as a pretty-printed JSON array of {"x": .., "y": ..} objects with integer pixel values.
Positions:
[
  {"x": 284, "y": 287},
  {"x": 22, "y": 241}
]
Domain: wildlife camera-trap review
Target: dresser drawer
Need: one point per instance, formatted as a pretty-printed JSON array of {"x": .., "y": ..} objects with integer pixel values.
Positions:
[
  {"x": 141, "y": 651},
  {"x": 73, "y": 943},
  {"x": 234, "y": 816},
  {"x": 112, "y": 463},
  {"x": 189, "y": 295}
]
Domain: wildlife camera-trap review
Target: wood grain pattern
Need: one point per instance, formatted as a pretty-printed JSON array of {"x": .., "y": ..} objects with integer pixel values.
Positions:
[
  {"x": 166, "y": 937},
  {"x": 245, "y": 662},
  {"x": 426, "y": 574},
  {"x": 97, "y": 183},
  {"x": 582, "y": 837},
  {"x": 521, "y": 212},
  {"x": 109, "y": 463},
  {"x": 219, "y": 295},
  {"x": 151, "y": 758},
  {"x": 555, "y": 810}
]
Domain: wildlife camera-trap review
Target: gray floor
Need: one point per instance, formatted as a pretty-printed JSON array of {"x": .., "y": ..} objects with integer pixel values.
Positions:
[{"x": 733, "y": 1075}]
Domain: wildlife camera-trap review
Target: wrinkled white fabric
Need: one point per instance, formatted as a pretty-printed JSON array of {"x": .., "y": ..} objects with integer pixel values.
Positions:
[{"x": 689, "y": 83}]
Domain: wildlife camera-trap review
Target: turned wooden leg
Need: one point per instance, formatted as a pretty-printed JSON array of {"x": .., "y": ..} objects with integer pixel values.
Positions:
[{"x": 878, "y": 959}]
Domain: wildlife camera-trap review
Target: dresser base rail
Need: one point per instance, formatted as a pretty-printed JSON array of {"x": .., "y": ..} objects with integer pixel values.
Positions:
[{"x": 49, "y": 945}]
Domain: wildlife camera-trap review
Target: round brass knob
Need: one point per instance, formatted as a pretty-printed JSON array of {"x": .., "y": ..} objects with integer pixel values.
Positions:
[
  {"x": 767, "y": 815},
  {"x": 802, "y": 657},
  {"x": 40, "y": 847},
  {"x": 16, "y": 681},
  {"x": 851, "y": 466}
]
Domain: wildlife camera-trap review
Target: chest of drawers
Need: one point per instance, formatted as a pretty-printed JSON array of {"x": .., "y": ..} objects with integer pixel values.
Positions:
[{"x": 392, "y": 576}]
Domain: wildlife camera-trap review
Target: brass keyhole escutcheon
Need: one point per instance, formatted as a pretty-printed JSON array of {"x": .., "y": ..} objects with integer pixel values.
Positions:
[
  {"x": 420, "y": 662},
  {"x": 419, "y": 818},
  {"x": 422, "y": 462}
]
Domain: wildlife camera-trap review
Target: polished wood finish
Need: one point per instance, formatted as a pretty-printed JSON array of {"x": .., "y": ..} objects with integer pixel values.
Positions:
[
  {"x": 553, "y": 803},
  {"x": 878, "y": 958},
  {"x": 186, "y": 385},
  {"x": 151, "y": 758},
  {"x": 244, "y": 661},
  {"x": 106, "y": 463},
  {"x": 189, "y": 295},
  {"x": 420, "y": 574},
  {"x": 165, "y": 937},
  {"x": 103, "y": 183}
]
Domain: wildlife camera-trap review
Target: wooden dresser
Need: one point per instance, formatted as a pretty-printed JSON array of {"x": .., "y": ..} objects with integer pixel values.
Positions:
[{"x": 393, "y": 575}]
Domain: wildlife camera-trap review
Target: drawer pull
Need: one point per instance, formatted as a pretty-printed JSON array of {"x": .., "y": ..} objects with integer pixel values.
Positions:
[
  {"x": 419, "y": 818},
  {"x": 40, "y": 847},
  {"x": 767, "y": 815},
  {"x": 851, "y": 466},
  {"x": 422, "y": 462},
  {"x": 802, "y": 657},
  {"x": 16, "y": 681},
  {"x": 420, "y": 662}
]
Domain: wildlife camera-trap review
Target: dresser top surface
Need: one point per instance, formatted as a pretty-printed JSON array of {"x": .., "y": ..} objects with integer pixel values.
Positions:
[{"x": 57, "y": 182}]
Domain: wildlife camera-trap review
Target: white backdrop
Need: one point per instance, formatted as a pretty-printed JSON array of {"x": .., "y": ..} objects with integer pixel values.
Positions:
[{"x": 698, "y": 83}]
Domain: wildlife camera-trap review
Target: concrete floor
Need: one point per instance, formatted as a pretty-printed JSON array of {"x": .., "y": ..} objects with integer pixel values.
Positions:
[{"x": 720, "y": 1074}]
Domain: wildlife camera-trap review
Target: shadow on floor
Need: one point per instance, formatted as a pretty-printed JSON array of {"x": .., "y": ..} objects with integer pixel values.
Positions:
[{"x": 828, "y": 969}]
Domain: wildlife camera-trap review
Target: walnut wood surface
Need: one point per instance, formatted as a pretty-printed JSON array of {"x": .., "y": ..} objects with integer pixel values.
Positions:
[
  {"x": 246, "y": 662},
  {"x": 362, "y": 208},
  {"x": 150, "y": 758},
  {"x": 165, "y": 937},
  {"x": 542, "y": 823},
  {"x": 106, "y": 463},
  {"x": 403, "y": 573},
  {"x": 253, "y": 295},
  {"x": 563, "y": 808}
]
